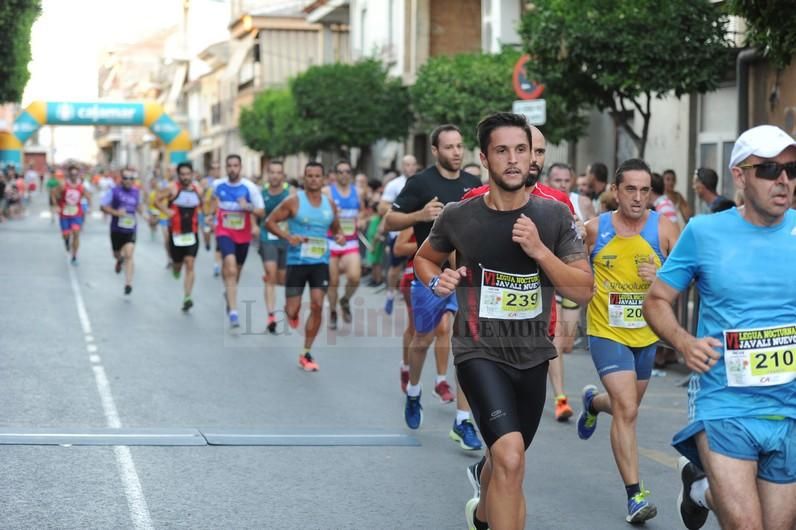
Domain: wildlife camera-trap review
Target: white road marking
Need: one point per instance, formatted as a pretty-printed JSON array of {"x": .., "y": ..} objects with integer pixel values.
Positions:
[
  {"x": 91, "y": 348},
  {"x": 136, "y": 503},
  {"x": 94, "y": 359}
]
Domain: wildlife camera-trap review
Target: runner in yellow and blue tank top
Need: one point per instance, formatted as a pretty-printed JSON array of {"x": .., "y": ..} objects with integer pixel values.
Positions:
[
  {"x": 626, "y": 248},
  {"x": 310, "y": 215}
]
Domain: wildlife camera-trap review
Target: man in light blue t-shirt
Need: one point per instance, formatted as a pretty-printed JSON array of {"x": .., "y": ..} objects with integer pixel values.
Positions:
[{"x": 742, "y": 395}]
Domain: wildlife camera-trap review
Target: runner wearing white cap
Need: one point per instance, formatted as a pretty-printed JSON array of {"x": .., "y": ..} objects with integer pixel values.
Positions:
[{"x": 742, "y": 395}]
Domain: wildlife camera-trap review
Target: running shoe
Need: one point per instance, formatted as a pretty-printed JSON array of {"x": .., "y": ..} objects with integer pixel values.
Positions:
[
  {"x": 639, "y": 509},
  {"x": 187, "y": 303},
  {"x": 293, "y": 322},
  {"x": 128, "y": 289},
  {"x": 216, "y": 270},
  {"x": 464, "y": 434},
  {"x": 234, "y": 321},
  {"x": 307, "y": 363},
  {"x": 413, "y": 412},
  {"x": 118, "y": 267},
  {"x": 389, "y": 304},
  {"x": 271, "y": 324},
  {"x": 587, "y": 422},
  {"x": 73, "y": 261},
  {"x": 692, "y": 515},
  {"x": 563, "y": 410},
  {"x": 333, "y": 320},
  {"x": 175, "y": 272},
  {"x": 469, "y": 512},
  {"x": 345, "y": 306},
  {"x": 404, "y": 380},
  {"x": 474, "y": 476},
  {"x": 442, "y": 391}
]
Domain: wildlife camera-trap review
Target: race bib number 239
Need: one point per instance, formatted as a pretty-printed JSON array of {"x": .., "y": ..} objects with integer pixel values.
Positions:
[{"x": 510, "y": 296}]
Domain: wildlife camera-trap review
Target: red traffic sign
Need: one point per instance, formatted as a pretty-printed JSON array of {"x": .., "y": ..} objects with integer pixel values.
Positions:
[{"x": 524, "y": 87}]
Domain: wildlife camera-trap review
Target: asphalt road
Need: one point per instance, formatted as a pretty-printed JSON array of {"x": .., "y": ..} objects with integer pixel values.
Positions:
[{"x": 79, "y": 358}]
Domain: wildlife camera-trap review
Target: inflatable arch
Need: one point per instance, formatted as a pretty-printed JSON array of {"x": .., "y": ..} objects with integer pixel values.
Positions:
[{"x": 39, "y": 113}]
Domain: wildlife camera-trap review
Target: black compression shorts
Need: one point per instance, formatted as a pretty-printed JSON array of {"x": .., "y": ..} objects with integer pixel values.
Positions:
[{"x": 504, "y": 399}]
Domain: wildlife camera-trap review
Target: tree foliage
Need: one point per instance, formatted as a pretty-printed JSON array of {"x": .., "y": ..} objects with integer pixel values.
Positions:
[
  {"x": 618, "y": 55},
  {"x": 271, "y": 125},
  {"x": 16, "y": 20},
  {"x": 350, "y": 105},
  {"x": 771, "y": 27},
  {"x": 464, "y": 88}
]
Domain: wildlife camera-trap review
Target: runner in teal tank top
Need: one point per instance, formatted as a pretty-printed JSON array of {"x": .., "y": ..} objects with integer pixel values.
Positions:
[{"x": 309, "y": 215}]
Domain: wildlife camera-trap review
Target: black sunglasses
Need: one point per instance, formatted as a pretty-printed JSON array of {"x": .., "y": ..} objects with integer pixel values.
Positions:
[{"x": 772, "y": 170}]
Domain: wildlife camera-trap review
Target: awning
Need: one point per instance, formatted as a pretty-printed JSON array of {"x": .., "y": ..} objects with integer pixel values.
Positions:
[
  {"x": 332, "y": 12},
  {"x": 242, "y": 48}
]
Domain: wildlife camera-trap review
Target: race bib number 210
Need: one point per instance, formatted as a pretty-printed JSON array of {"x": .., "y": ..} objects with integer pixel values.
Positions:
[{"x": 760, "y": 357}]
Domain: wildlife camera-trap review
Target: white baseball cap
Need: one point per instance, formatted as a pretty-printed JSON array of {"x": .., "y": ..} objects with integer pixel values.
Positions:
[{"x": 765, "y": 141}]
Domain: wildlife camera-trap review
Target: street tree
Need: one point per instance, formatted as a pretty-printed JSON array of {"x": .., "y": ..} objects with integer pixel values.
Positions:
[
  {"x": 16, "y": 20},
  {"x": 270, "y": 124},
  {"x": 618, "y": 55},
  {"x": 343, "y": 106},
  {"x": 464, "y": 88},
  {"x": 770, "y": 27}
]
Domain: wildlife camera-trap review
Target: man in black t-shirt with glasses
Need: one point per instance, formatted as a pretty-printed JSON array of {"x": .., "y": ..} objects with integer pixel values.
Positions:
[
  {"x": 512, "y": 252},
  {"x": 418, "y": 204}
]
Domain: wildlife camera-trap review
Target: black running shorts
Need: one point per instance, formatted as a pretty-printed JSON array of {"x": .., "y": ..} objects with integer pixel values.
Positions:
[
  {"x": 120, "y": 239},
  {"x": 317, "y": 276},
  {"x": 504, "y": 399}
]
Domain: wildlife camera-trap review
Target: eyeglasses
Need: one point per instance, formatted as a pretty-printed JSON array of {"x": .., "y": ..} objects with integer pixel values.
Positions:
[
  {"x": 128, "y": 178},
  {"x": 772, "y": 170}
]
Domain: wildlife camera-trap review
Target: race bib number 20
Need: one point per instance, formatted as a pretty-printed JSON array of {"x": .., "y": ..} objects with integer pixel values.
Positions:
[
  {"x": 624, "y": 310},
  {"x": 760, "y": 357},
  {"x": 509, "y": 296}
]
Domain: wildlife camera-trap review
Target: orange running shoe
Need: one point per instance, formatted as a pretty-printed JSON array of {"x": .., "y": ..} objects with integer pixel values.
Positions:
[
  {"x": 292, "y": 322},
  {"x": 563, "y": 410},
  {"x": 307, "y": 363},
  {"x": 272, "y": 324}
]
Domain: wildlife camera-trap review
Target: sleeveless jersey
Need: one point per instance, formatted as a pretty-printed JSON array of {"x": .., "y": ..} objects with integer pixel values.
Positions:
[
  {"x": 574, "y": 199},
  {"x": 312, "y": 223},
  {"x": 614, "y": 312},
  {"x": 347, "y": 212},
  {"x": 184, "y": 210},
  {"x": 271, "y": 202}
]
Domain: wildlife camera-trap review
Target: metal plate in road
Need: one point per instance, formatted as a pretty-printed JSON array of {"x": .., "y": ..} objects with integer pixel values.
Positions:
[
  {"x": 308, "y": 437},
  {"x": 100, "y": 436}
]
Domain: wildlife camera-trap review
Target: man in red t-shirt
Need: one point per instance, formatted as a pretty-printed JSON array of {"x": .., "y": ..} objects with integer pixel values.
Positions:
[{"x": 556, "y": 368}]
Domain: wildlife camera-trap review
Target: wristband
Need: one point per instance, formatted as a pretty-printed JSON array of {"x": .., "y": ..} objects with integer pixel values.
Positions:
[{"x": 432, "y": 285}]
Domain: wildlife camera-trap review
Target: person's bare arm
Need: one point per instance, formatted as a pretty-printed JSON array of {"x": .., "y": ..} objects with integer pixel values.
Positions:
[
  {"x": 571, "y": 277},
  {"x": 395, "y": 220},
  {"x": 284, "y": 211},
  {"x": 699, "y": 354},
  {"x": 403, "y": 246},
  {"x": 586, "y": 208}
]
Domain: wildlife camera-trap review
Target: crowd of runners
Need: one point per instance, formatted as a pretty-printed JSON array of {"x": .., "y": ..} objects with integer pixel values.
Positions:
[{"x": 499, "y": 275}]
